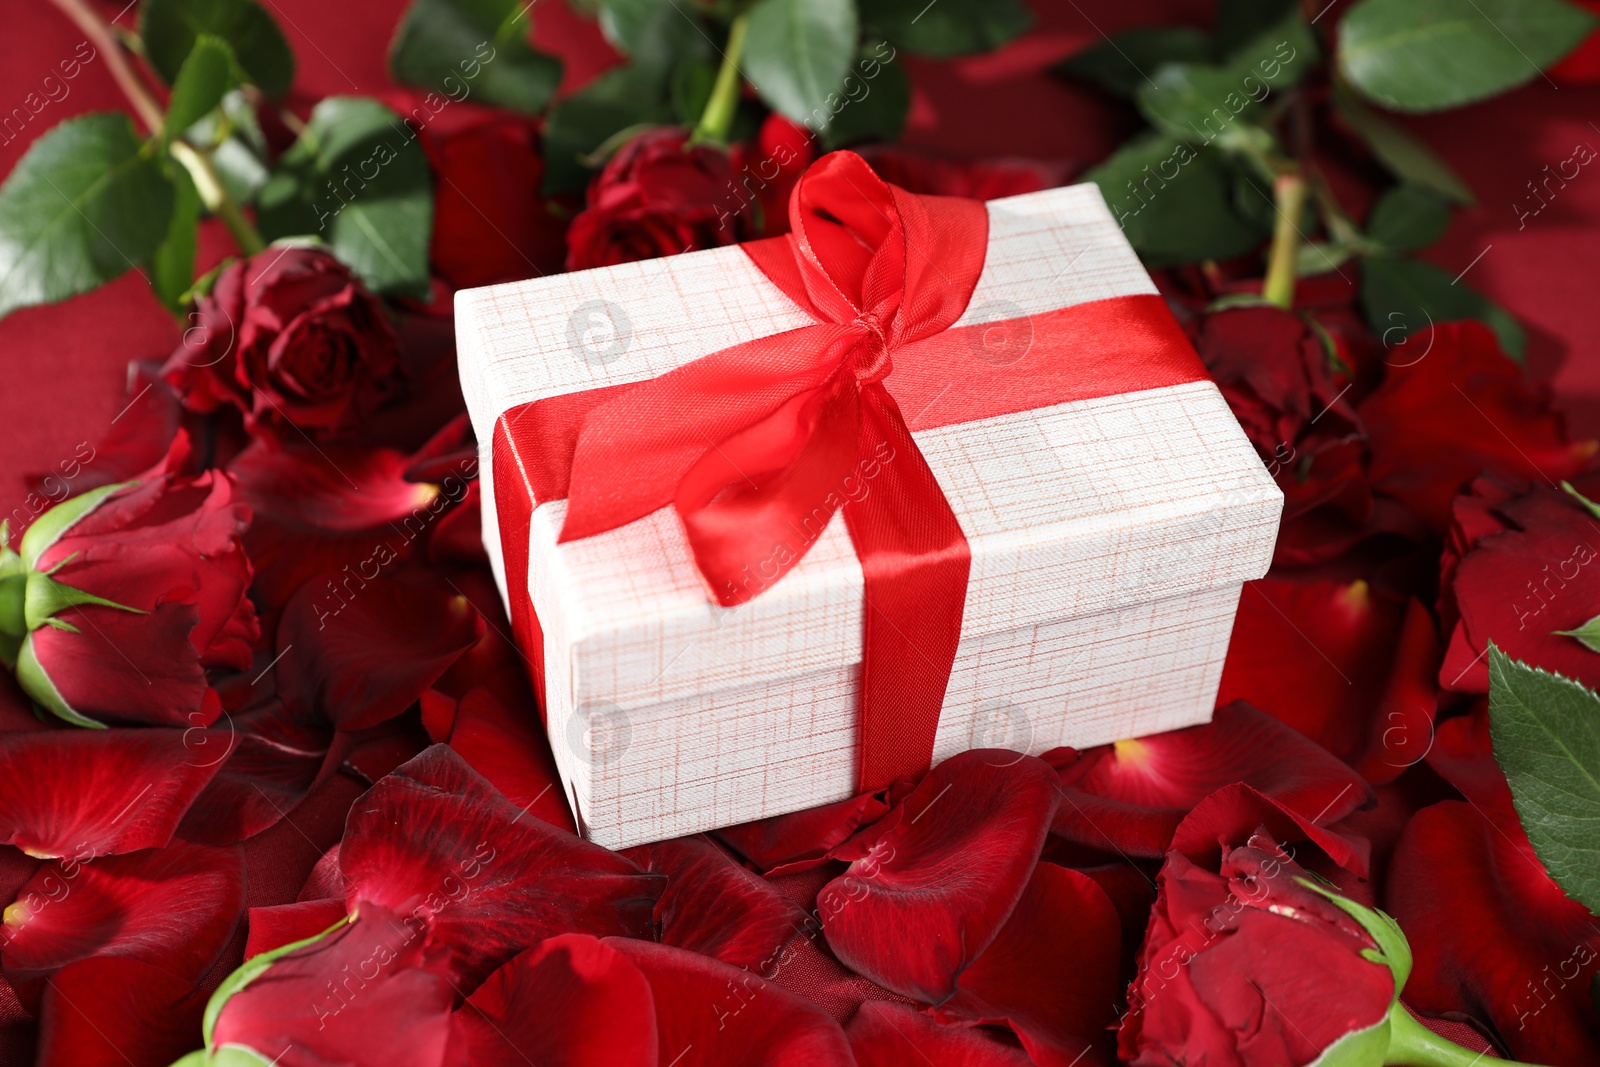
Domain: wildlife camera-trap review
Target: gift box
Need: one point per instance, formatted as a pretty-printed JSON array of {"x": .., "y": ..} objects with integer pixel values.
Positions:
[{"x": 777, "y": 523}]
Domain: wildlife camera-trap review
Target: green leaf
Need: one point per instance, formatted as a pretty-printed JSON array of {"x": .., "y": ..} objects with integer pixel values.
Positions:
[
  {"x": 657, "y": 34},
  {"x": 172, "y": 265},
  {"x": 1414, "y": 294},
  {"x": 248, "y": 972},
  {"x": 946, "y": 28},
  {"x": 1217, "y": 103},
  {"x": 84, "y": 205},
  {"x": 797, "y": 53},
  {"x": 1425, "y": 55},
  {"x": 1588, "y": 635},
  {"x": 625, "y": 96},
  {"x": 690, "y": 89},
  {"x": 1546, "y": 734},
  {"x": 474, "y": 48},
  {"x": 1408, "y": 218},
  {"x": 38, "y": 685},
  {"x": 1406, "y": 157},
  {"x": 169, "y": 29},
  {"x": 876, "y": 100},
  {"x": 49, "y": 528},
  {"x": 1320, "y": 257},
  {"x": 1121, "y": 63},
  {"x": 358, "y": 180},
  {"x": 201, "y": 83},
  {"x": 1174, "y": 201}
]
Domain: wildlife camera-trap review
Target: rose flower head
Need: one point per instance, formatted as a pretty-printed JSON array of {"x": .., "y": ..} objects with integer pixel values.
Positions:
[
  {"x": 291, "y": 338},
  {"x": 1257, "y": 965},
  {"x": 658, "y": 196},
  {"x": 115, "y": 602}
]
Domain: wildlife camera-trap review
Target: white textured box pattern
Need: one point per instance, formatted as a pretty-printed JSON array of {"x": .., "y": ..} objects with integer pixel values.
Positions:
[{"x": 1108, "y": 538}]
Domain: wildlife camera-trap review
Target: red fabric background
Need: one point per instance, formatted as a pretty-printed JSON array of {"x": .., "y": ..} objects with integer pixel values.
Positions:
[{"x": 63, "y": 366}]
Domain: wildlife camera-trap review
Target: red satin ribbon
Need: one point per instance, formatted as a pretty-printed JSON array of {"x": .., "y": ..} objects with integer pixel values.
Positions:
[{"x": 756, "y": 446}]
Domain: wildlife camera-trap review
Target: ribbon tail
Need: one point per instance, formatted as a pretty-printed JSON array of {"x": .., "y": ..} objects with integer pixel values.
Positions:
[{"x": 916, "y": 562}]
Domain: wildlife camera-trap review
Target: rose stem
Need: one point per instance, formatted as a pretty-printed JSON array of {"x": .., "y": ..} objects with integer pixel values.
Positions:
[
  {"x": 1289, "y": 198},
  {"x": 212, "y": 192},
  {"x": 717, "y": 118},
  {"x": 1414, "y": 1045}
]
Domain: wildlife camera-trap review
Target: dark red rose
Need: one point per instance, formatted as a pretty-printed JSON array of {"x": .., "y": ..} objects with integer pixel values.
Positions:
[
  {"x": 658, "y": 197},
  {"x": 131, "y": 592},
  {"x": 291, "y": 338},
  {"x": 768, "y": 169},
  {"x": 1288, "y": 382},
  {"x": 1461, "y": 409},
  {"x": 1248, "y": 967},
  {"x": 490, "y": 224},
  {"x": 1520, "y": 569}
]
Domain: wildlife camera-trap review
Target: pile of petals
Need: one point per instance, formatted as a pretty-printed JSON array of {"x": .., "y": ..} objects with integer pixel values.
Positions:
[{"x": 274, "y": 788}]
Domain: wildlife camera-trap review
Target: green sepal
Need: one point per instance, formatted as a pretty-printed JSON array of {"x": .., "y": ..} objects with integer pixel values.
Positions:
[
  {"x": 248, "y": 972},
  {"x": 13, "y": 614},
  {"x": 1589, "y": 505},
  {"x": 44, "y": 597},
  {"x": 37, "y": 684},
  {"x": 1393, "y": 951},
  {"x": 48, "y": 528},
  {"x": 1358, "y": 1048},
  {"x": 226, "y": 1056}
]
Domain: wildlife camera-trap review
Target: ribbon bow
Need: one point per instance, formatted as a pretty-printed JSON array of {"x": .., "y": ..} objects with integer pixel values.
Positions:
[{"x": 758, "y": 445}]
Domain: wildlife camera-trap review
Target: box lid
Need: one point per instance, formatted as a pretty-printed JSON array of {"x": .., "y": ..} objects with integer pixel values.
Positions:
[{"x": 1069, "y": 510}]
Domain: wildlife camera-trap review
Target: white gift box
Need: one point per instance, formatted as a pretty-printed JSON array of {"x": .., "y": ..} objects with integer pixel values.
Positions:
[{"x": 1109, "y": 540}]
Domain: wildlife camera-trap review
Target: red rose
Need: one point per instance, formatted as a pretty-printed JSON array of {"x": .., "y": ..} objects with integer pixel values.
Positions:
[
  {"x": 121, "y": 598},
  {"x": 1290, "y": 393},
  {"x": 290, "y": 338},
  {"x": 1249, "y": 967},
  {"x": 658, "y": 197},
  {"x": 490, "y": 223}
]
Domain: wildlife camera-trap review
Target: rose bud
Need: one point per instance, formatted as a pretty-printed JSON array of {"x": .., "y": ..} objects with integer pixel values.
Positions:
[
  {"x": 658, "y": 196},
  {"x": 1256, "y": 965},
  {"x": 115, "y": 602},
  {"x": 290, "y": 338}
]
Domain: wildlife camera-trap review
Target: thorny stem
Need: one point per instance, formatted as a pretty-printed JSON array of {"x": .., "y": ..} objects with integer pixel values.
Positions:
[{"x": 212, "y": 192}]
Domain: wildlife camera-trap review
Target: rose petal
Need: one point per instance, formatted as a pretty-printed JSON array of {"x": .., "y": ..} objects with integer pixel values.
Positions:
[
  {"x": 572, "y": 1001},
  {"x": 1350, "y": 667},
  {"x": 512, "y": 753},
  {"x": 715, "y": 907},
  {"x": 366, "y": 657},
  {"x": 709, "y": 1014},
  {"x": 1051, "y": 974},
  {"x": 1234, "y": 812},
  {"x": 789, "y": 844},
  {"x": 894, "y": 1035},
  {"x": 175, "y": 907},
  {"x": 937, "y": 879},
  {"x": 273, "y": 762},
  {"x": 1437, "y": 423},
  {"x": 436, "y": 837},
  {"x": 87, "y": 793},
  {"x": 326, "y": 509},
  {"x": 1131, "y": 796},
  {"x": 283, "y": 924},
  {"x": 374, "y": 991},
  {"x": 113, "y": 1011}
]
